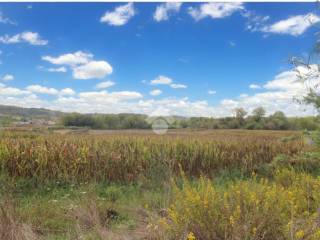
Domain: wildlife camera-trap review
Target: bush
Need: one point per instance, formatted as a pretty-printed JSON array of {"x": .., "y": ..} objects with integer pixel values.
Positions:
[
  {"x": 254, "y": 209},
  {"x": 308, "y": 162}
]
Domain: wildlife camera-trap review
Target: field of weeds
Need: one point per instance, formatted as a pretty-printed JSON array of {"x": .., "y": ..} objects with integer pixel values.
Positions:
[{"x": 220, "y": 184}]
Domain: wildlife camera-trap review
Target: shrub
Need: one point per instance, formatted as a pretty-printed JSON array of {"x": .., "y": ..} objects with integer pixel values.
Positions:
[{"x": 255, "y": 209}]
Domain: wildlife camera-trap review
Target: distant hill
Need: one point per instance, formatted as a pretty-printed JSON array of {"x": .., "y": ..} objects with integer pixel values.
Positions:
[{"x": 35, "y": 113}]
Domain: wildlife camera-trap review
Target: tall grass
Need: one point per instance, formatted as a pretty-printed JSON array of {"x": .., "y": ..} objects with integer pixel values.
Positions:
[{"x": 123, "y": 158}]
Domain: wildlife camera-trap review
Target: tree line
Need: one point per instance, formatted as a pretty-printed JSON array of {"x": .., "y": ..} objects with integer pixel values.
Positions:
[{"x": 241, "y": 120}]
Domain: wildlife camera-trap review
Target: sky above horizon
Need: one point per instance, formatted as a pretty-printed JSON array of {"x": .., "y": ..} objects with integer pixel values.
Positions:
[{"x": 188, "y": 59}]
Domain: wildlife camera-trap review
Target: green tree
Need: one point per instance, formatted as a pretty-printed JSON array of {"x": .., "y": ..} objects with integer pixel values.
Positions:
[
  {"x": 240, "y": 113},
  {"x": 258, "y": 113},
  {"x": 277, "y": 121}
]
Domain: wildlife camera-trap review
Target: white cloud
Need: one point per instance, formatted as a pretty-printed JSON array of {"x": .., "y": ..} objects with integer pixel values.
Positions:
[
  {"x": 212, "y": 92},
  {"x": 254, "y": 21},
  {"x": 38, "y": 89},
  {"x": 215, "y": 10},
  {"x": 105, "y": 84},
  {"x": 60, "y": 69},
  {"x": 70, "y": 59},
  {"x": 278, "y": 94},
  {"x": 6, "y": 20},
  {"x": 42, "y": 90},
  {"x": 120, "y": 16},
  {"x": 165, "y": 9},
  {"x": 7, "y": 77},
  {"x": 155, "y": 92},
  {"x": 275, "y": 95},
  {"x": 294, "y": 26},
  {"x": 254, "y": 86},
  {"x": 93, "y": 69},
  {"x": 82, "y": 65},
  {"x": 12, "y": 92},
  {"x": 175, "y": 85},
  {"x": 103, "y": 97},
  {"x": 284, "y": 81},
  {"x": 161, "y": 80},
  {"x": 243, "y": 95},
  {"x": 33, "y": 38},
  {"x": 67, "y": 91}
]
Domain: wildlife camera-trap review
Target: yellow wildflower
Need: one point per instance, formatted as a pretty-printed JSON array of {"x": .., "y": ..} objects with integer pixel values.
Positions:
[
  {"x": 191, "y": 236},
  {"x": 300, "y": 234}
]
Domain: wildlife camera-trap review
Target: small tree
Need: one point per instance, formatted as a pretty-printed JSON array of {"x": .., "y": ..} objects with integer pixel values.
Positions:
[
  {"x": 308, "y": 71},
  {"x": 258, "y": 113},
  {"x": 240, "y": 113}
]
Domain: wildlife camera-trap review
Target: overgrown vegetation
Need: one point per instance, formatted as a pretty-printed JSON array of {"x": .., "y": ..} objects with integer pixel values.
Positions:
[
  {"x": 121, "y": 158},
  {"x": 286, "y": 208},
  {"x": 234, "y": 185}
]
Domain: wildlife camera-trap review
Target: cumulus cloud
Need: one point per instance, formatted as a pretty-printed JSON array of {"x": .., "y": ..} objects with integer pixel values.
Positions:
[
  {"x": 161, "y": 80},
  {"x": 155, "y": 92},
  {"x": 7, "y": 77},
  {"x": 67, "y": 92},
  {"x": 38, "y": 89},
  {"x": 215, "y": 10},
  {"x": 164, "y": 10},
  {"x": 104, "y": 97},
  {"x": 105, "y": 84},
  {"x": 113, "y": 103},
  {"x": 42, "y": 90},
  {"x": 82, "y": 64},
  {"x": 276, "y": 95},
  {"x": 11, "y": 91},
  {"x": 285, "y": 81},
  {"x": 71, "y": 59},
  {"x": 93, "y": 69},
  {"x": 120, "y": 16},
  {"x": 254, "y": 86},
  {"x": 33, "y": 38},
  {"x": 295, "y": 25}
]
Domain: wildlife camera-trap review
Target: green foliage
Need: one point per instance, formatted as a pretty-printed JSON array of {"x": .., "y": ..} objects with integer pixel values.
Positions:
[
  {"x": 257, "y": 120},
  {"x": 108, "y": 121}
]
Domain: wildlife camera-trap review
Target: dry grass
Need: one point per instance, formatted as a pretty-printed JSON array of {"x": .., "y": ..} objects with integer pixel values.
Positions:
[
  {"x": 90, "y": 218},
  {"x": 10, "y": 226},
  {"x": 128, "y": 158}
]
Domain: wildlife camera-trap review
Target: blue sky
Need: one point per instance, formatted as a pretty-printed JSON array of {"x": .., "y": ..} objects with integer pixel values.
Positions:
[{"x": 191, "y": 59}]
